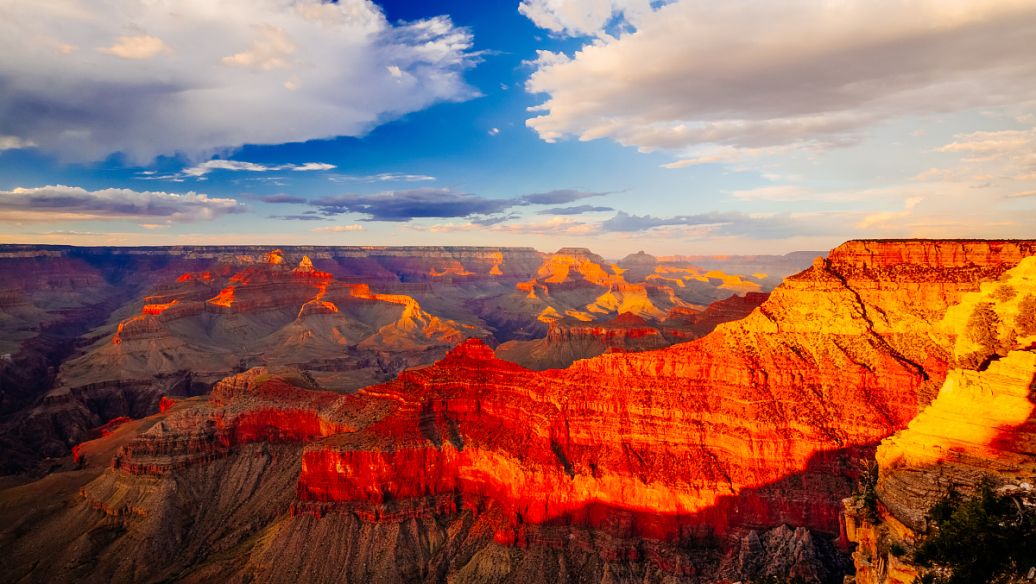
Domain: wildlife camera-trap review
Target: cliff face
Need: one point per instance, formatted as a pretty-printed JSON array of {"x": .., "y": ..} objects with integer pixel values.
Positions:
[
  {"x": 687, "y": 463},
  {"x": 569, "y": 339},
  {"x": 981, "y": 426},
  {"x": 679, "y": 463},
  {"x": 810, "y": 372}
]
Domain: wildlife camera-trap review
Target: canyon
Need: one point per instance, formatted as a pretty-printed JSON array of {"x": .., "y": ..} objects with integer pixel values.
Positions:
[
  {"x": 476, "y": 415},
  {"x": 92, "y": 334}
]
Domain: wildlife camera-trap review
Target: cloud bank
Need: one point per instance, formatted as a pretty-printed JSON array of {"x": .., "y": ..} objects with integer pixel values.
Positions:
[
  {"x": 149, "y": 78},
  {"x": 426, "y": 203},
  {"x": 707, "y": 79},
  {"x": 65, "y": 203}
]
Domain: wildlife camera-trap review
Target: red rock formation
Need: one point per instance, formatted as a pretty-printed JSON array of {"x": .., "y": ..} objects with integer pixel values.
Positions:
[
  {"x": 697, "y": 438},
  {"x": 981, "y": 426},
  {"x": 570, "y": 339},
  {"x": 631, "y": 456},
  {"x": 758, "y": 400}
]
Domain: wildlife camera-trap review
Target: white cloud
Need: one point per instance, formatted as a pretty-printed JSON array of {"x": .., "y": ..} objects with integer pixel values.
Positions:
[
  {"x": 881, "y": 219},
  {"x": 1002, "y": 157},
  {"x": 234, "y": 165},
  {"x": 204, "y": 168},
  {"x": 14, "y": 143},
  {"x": 272, "y": 49},
  {"x": 65, "y": 203},
  {"x": 312, "y": 166},
  {"x": 196, "y": 78},
  {"x": 582, "y": 17},
  {"x": 494, "y": 131},
  {"x": 698, "y": 75},
  {"x": 134, "y": 47},
  {"x": 339, "y": 228},
  {"x": 382, "y": 177}
]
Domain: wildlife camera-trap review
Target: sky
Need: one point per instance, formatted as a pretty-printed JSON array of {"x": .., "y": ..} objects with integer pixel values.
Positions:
[{"x": 673, "y": 127}]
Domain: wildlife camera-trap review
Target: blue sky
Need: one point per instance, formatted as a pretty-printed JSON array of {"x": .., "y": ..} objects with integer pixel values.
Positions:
[{"x": 619, "y": 125}]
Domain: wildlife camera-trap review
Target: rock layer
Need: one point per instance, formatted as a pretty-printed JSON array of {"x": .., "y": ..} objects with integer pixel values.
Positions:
[
  {"x": 682, "y": 463},
  {"x": 980, "y": 427}
]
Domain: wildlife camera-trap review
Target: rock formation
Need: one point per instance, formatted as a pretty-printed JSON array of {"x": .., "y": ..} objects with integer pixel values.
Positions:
[
  {"x": 981, "y": 426},
  {"x": 723, "y": 457},
  {"x": 91, "y": 334},
  {"x": 569, "y": 339}
]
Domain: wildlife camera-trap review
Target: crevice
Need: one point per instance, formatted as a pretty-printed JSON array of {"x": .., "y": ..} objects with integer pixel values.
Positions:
[{"x": 870, "y": 327}]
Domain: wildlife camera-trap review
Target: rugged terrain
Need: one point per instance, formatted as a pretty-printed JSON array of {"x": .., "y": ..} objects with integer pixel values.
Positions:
[
  {"x": 981, "y": 427},
  {"x": 89, "y": 335},
  {"x": 719, "y": 459}
]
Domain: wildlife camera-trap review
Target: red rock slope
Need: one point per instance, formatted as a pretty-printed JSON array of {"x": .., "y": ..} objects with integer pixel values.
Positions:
[
  {"x": 838, "y": 357},
  {"x": 755, "y": 425}
]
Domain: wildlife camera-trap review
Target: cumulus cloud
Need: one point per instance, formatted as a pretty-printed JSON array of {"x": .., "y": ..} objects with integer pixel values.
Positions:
[
  {"x": 701, "y": 78},
  {"x": 581, "y": 17},
  {"x": 131, "y": 76},
  {"x": 438, "y": 203},
  {"x": 66, "y": 203}
]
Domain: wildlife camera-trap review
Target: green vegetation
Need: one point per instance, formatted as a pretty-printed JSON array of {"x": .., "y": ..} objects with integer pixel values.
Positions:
[
  {"x": 1025, "y": 322},
  {"x": 983, "y": 329},
  {"x": 866, "y": 494},
  {"x": 1005, "y": 292},
  {"x": 987, "y": 537}
]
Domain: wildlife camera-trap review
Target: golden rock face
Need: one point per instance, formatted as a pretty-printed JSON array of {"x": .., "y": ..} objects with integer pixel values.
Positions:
[
  {"x": 706, "y": 433},
  {"x": 628, "y": 457},
  {"x": 981, "y": 424}
]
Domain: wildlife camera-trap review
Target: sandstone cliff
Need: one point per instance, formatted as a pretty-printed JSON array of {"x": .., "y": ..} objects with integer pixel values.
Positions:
[
  {"x": 981, "y": 426},
  {"x": 682, "y": 463}
]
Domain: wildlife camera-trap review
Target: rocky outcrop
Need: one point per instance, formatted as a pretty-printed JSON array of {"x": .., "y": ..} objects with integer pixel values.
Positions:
[
  {"x": 980, "y": 427},
  {"x": 569, "y": 339},
  {"x": 753, "y": 426},
  {"x": 357, "y": 315},
  {"x": 680, "y": 463}
]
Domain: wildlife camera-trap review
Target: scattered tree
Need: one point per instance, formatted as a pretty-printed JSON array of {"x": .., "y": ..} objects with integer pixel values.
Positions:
[
  {"x": 1025, "y": 322},
  {"x": 988, "y": 537},
  {"x": 1004, "y": 293}
]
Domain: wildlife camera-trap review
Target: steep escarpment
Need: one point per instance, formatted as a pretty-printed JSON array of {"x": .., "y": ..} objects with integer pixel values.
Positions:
[
  {"x": 100, "y": 333},
  {"x": 569, "y": 339},
  {"x": 719, "y": 459},
  {"x": 682, "y": 463},
  {"x": 980, "y": 428}
]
